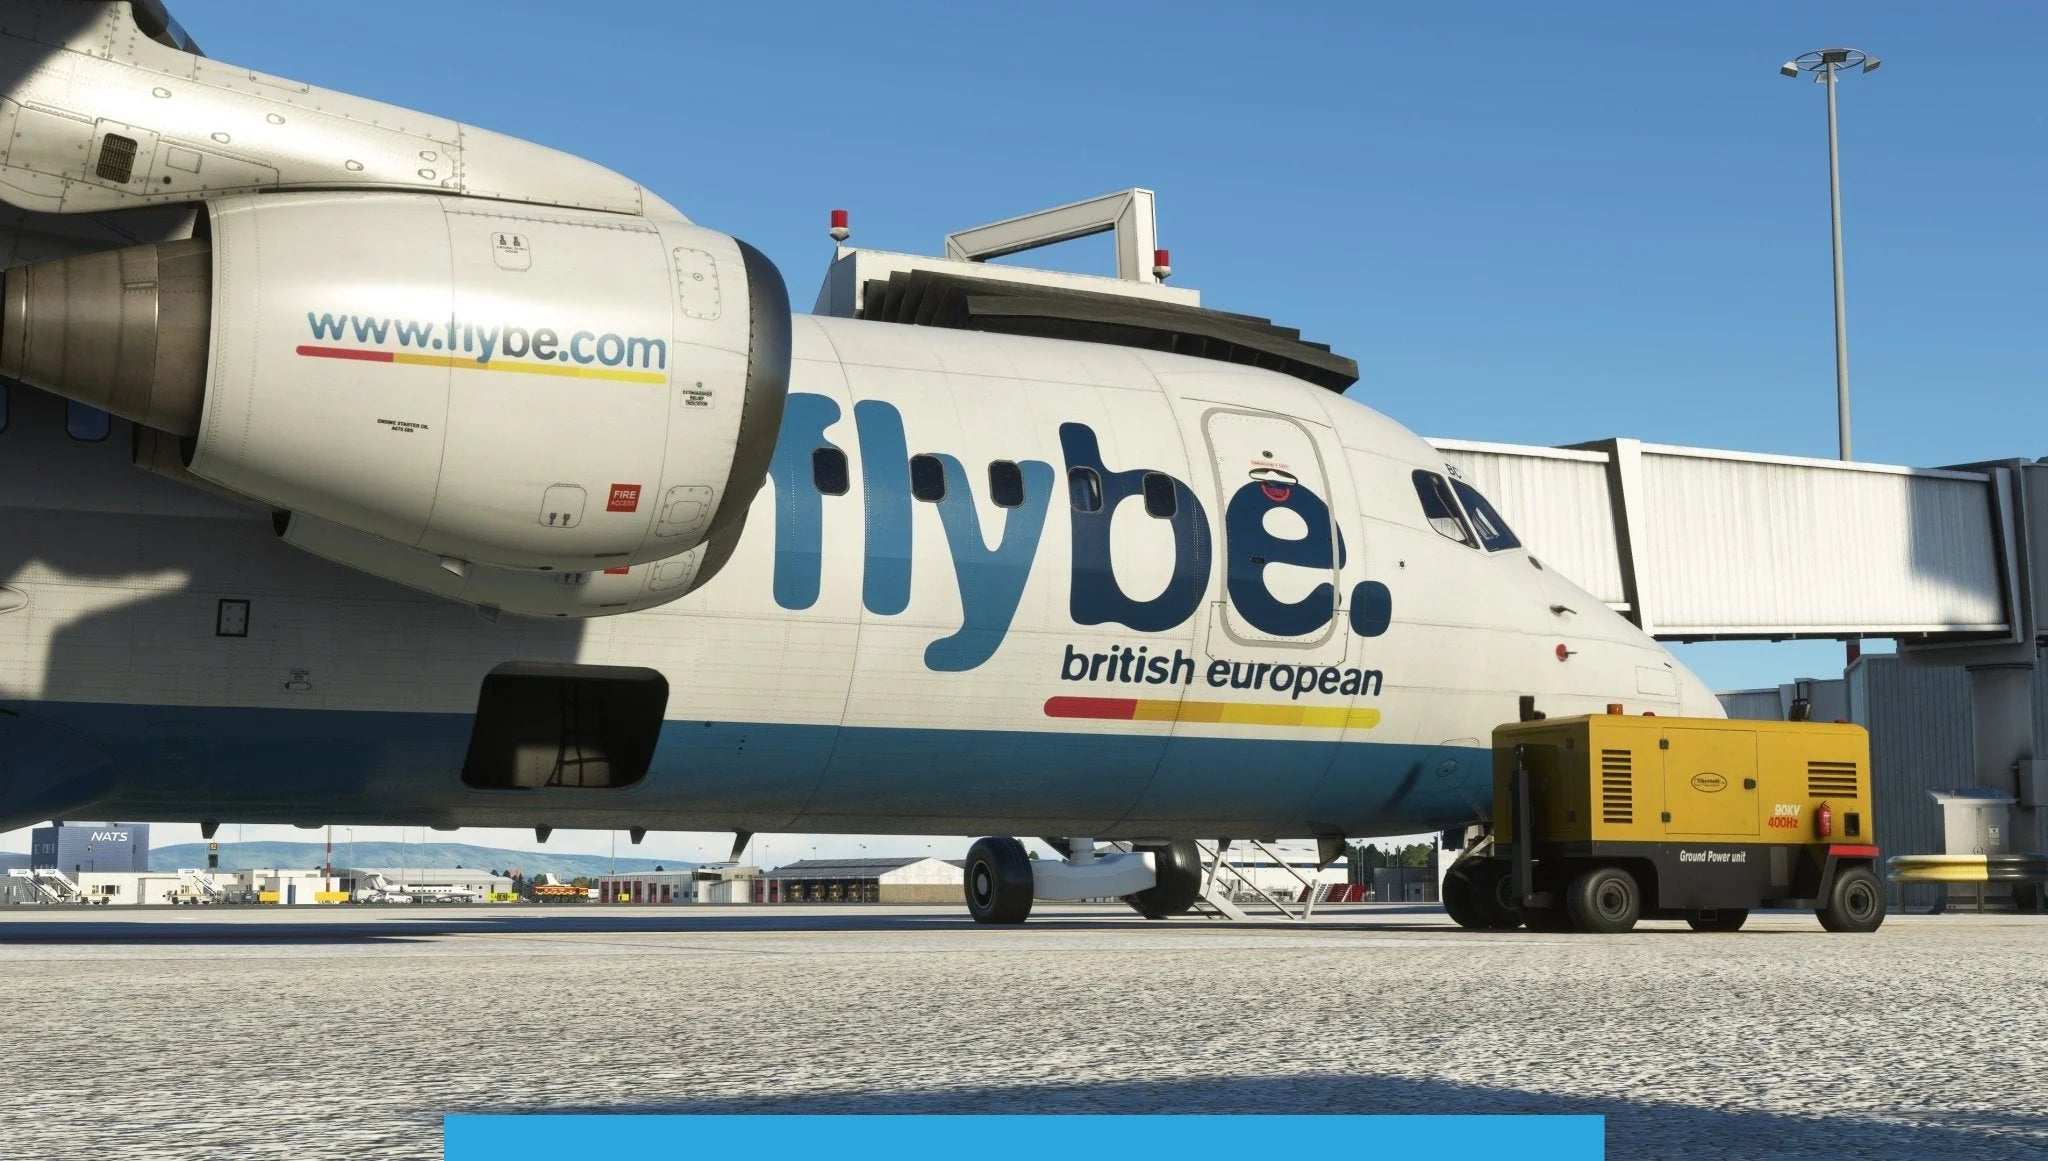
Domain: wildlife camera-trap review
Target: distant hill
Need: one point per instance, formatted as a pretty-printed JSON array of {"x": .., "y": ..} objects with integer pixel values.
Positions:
[
  {"x": 9, "y": 860},
  {"x": 241, "y": 856}
]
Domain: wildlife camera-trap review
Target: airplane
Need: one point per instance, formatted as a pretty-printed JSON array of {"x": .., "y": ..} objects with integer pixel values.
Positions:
[
  {"x": 362, "y": 467},
  {"x": 375, "y": 888}
]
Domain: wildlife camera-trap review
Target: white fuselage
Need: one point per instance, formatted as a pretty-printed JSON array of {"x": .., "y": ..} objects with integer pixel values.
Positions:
[{"x": 1190, "y": 657}]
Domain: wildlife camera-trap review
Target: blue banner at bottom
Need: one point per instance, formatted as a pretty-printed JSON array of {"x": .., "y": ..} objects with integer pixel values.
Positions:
[{"x": 544, "y": 1137}]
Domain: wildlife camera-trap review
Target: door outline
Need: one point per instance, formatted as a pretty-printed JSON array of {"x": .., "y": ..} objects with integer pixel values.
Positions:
[{"x": 1221, "y": 614}]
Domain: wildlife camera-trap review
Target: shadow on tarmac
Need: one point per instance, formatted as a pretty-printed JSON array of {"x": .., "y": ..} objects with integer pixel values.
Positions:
[
  {"x": 1635, "y": 1128},
  {"x": 195, "y": 925},
  {"x": 398, "y": 925}
]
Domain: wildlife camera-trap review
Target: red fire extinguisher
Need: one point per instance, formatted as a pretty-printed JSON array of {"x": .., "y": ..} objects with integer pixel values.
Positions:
[{"x": 1824, "y": 820}]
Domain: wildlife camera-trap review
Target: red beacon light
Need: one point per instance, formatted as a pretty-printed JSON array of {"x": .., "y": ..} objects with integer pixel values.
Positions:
[
  {"x": 1614, "y": 707},
  {"x": 839, "y": 230},
  {"x": 1162, "y": 268}
]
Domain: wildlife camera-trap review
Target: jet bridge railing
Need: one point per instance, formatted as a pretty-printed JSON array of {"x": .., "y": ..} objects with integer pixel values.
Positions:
[{"x": 1696, "y": 544}]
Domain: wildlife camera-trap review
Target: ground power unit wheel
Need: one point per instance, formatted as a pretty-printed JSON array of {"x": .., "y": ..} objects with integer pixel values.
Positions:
[
  {"x": 1604, "y": 901},
  {"x": 1855, "y": 902},
  {"x": 1457, "y": 897},
  {"x": 1493, "y": 896},
  {"x": 998, "y": 881},
  {"x": 1177, "y": 879},
  {"x": 1719, "y": 919}
]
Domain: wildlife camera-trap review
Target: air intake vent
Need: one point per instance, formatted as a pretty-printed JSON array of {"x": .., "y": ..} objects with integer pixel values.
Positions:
[
  {"x": 1831, "y": 779},
  {"x": 1617, "y": 786},
  {"x": 117, "y": 158}
]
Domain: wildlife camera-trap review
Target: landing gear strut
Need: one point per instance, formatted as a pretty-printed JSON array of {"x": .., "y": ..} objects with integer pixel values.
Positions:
[{"x": 1001, "y": 880}]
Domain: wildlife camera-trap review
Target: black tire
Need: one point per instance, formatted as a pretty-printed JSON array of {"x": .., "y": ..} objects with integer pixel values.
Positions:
[
  {"x": 998, "y": 881},
  {"x": 1604, "y": 901},
  {"x": 1855, "y": 902},
  {"x": 1493, "y": 896},
  {"x": 1720, "y": 919},
  {"x": 1178, "y": 869},
  {"x": 1457, "y": 897}
]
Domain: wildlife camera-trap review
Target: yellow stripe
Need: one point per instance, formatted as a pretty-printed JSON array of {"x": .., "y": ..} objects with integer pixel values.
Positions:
[
  {"x": 1232, "y": 713},
  {"x": 571, "y": 371}
]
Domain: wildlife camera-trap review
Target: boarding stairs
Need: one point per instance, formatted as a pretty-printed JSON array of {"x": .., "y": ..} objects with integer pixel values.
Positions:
[
  {"x": 1225, "y": 886},
  {"x": 48, "y": 886},
  {"x": 198, "y": 887}
]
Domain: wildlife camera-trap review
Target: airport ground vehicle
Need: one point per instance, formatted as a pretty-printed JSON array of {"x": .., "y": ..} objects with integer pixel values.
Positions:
[{"x": 1604, "y": 819}]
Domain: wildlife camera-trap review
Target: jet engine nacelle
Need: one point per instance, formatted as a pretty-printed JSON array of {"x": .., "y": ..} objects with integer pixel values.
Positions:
[
  {"x": 592, "y": 593},
  {"x": 494, "y": 385}
]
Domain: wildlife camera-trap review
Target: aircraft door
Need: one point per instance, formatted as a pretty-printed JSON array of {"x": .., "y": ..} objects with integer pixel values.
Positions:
[{"x": 1280, "y": 548}]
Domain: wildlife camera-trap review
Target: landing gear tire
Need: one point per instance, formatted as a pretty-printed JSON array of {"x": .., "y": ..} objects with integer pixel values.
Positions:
[
  {"x": 1177, "y": 871},
  {"x": 998, "y": 881},
  {"x": 1855, "y": 903},
  {"x": 1457, "y": 897},
  {"x": 1604, "y": 901},
  {"x": 1493, "y": 896},
  {"x": 1719, "y": 919}
]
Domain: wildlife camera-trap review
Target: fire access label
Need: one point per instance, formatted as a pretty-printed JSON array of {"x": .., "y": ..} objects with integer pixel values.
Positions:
[{"x": 625, "y": 498}]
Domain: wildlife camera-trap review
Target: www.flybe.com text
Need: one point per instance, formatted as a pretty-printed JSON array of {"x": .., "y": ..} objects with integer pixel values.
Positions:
[{"x": 486, "y": 342}]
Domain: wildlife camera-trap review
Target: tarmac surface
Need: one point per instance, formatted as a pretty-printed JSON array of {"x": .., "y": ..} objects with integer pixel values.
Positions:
[{"x": 347, "y": 1032}]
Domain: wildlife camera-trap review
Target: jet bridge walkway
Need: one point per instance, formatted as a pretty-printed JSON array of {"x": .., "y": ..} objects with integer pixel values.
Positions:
[{"x": 1694, "y": 544}]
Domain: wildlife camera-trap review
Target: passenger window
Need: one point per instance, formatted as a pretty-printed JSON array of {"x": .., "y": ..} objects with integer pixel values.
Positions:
[
  {"x": 927, "y": 478},
  {"x": 1441, "y": 508},
  {"x": 88, "y": 424},
  {"x": 1493, "y": 531},
  {"x": 1084, "y": 489},
  {"x": 828, "y": 471},
  {"x": 1006, "y": 484},
  {"x": 1159, "y": 500}
]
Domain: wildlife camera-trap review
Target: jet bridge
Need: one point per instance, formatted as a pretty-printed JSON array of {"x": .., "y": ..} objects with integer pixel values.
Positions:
[{"x": 1694, "y": 544}]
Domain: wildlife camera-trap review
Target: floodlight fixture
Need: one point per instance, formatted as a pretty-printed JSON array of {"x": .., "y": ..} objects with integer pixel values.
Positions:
[{"x": 1825, "y": 63}]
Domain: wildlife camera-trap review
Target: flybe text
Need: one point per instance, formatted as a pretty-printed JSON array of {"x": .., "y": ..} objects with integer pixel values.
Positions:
[{"x": 991, "y": 580}]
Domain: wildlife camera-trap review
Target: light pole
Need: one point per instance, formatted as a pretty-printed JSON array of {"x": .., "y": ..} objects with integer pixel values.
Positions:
[{"x": 1824, "y": 64}]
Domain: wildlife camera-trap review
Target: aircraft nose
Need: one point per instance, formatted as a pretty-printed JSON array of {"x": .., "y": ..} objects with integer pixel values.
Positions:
[{"x": 1695, "y": 699}]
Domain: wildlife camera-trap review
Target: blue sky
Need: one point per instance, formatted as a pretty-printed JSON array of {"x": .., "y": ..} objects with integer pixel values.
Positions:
[
  {"x": 1534, "y": 224},
  {"x": 1528, "y": 223}
]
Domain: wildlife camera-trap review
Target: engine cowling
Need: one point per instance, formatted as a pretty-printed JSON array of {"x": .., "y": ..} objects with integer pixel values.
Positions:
[
  {"x": 592, "y": 593},
  {"x": 525, "y": 389}
]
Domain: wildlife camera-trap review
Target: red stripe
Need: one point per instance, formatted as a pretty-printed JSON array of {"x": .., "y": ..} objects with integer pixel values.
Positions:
[
  {"x": 1853, "y": 852},
  {"x": 1116, "y": 709},
  {"x": 347, "y": 353}
]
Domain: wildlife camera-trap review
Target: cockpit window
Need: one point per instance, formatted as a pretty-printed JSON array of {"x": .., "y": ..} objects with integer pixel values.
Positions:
[
  {"x": 1441, "y": 509},
  {"x": 1493, "y": 531}
]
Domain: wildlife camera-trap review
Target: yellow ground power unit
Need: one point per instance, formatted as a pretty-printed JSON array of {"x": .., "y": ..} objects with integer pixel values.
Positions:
[{"x": 1604, "y": 819}]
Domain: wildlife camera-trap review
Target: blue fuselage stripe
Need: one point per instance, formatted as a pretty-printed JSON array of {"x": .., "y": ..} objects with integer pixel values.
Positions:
[{"x": 181, "y": 762}]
